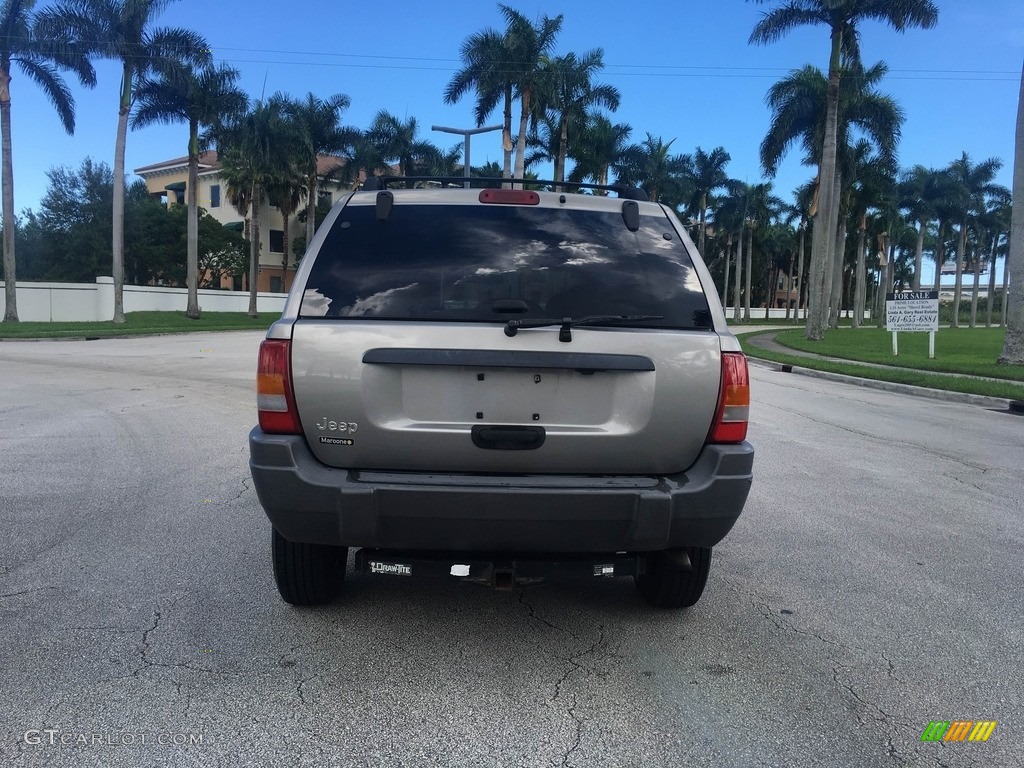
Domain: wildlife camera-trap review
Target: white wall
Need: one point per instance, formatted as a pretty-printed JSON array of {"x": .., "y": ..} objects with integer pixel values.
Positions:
[
  {"x": 757, "y": 313},
  {"x": 72, "y": 302}
]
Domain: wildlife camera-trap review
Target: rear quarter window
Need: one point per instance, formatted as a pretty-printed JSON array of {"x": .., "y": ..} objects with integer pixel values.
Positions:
[{"x": 489, "y": 263}]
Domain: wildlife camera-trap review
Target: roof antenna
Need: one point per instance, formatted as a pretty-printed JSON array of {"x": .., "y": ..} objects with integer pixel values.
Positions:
[{"x": 262, "y": 92}]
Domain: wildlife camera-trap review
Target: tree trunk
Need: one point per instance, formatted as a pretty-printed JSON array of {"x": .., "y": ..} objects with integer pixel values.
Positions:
[
  {"x": 728, "y": 259},
  {"x": 1006, "y": 295},
  {"x": 940, "y": 255},
  {"x": 563, "y": 143},
  {"x": 800, "y": 298},
  {"x": 789, "y": 283},
  {"x": 700, "y": 234},
  {"x": 977, "y": 287},
  {"x": 919, "y": 255},
  {"x": 861, "y": 289},
  {"x": 1013, "y": 302},
  {"x": 192, "y": 225},
  {"x": 884, "y": 285},
  {"x": 739, "y": 276},
  {"x": 883, "y": 288},
  {"x": 118, "y": 207},
  {"x": 991, "y": 281},
  {"x": 506, "y": 134},
  {"x": 838, "y": 264},
  {"x": 10, "y": 228},
  {"x": 313, "y": 193},
  {"x": 750, "y": 263},
  {"x": 524, "y": 116},
  {"x": 254, "y": 247},
  {"x": 958, "y": 285},
  {"x": 821, "y": 242},
  {"x": 286, "y": 218}
]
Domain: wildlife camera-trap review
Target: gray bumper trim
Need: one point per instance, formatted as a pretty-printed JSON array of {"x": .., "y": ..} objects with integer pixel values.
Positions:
[{"x": 310, "y": 502}]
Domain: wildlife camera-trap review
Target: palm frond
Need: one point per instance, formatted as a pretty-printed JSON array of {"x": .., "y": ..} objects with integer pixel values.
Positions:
[{"x": 48, "y": 78}]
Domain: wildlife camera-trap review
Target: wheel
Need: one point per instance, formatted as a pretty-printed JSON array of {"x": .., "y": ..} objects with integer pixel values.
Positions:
[
  {"x": 307, "y": 574},
  {"x": 665, "y": 585}
]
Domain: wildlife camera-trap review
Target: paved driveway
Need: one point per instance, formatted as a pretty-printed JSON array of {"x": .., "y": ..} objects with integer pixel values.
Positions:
[{"x": 872, "y": 585}]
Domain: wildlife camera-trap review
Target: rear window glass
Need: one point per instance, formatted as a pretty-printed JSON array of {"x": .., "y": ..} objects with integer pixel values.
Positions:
[{"x": 492, "y": 263}]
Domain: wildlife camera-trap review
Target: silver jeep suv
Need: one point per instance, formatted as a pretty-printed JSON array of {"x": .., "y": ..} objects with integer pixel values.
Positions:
[{"x": 499, "y": 385}]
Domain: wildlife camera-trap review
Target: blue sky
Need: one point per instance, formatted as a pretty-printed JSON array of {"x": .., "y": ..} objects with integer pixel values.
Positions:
[{"x": 684, "y": 69}]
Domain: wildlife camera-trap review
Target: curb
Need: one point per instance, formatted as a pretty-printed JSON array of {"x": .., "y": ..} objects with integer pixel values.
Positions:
[{"x": 997, "y": 403}]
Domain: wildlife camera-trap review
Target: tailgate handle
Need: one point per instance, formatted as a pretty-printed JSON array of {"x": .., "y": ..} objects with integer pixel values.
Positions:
[{"x": 508, "y": 438}]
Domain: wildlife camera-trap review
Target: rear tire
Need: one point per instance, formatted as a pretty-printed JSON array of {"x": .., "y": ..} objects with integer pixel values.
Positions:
[
  {"x": 664, "y": 585},
  {"x": 307, "y": 574}
]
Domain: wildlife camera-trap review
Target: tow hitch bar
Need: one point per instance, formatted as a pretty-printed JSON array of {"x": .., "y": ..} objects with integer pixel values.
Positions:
[{"x": 501, "y": 572}]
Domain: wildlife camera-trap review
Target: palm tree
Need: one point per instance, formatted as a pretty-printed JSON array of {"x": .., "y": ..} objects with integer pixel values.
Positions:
[
  {"x": 252, "y": 154},
  {"x": 526, "y": 47},
  {"x": 1013, "y": 298},
  {"x": 542, "y": 142},
  {"x": 707, "y": 173},
  {"x": 596, "y": 148},
  {"x": 731, "y": 217},
  {"x": 763, "y": 208},
  {"x": 396, "y": 141},
  {"x": 919, "y": 189},
  {"x": 999, "y": 218},
  {"x": 285, "y": 192},
  {"x": 650, "y": 166},
  {"x": 797, "y": 103},
  {"x": 123, "y": 31},
  {"x": 485, "y": 68},
  {"x": 842, "y": 18},
  {"x": 202, "y": 98},
  {"x": 318, "y": 123},
  {"x": 566, "y": 89},
  {"x": 804, "y": 197},
  {"x": 988, "y": 226},
  {"x": 872, "y": 186},
  {"x": 972, "y": 183},
  {"x": 39, "y": 58}
]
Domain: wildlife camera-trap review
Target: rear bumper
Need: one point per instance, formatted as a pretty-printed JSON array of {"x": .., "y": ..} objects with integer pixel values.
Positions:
[{"x": 309, "y": 502}]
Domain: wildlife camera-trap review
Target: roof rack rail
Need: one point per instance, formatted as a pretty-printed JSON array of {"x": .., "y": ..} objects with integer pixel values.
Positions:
[{"x": 373, "y": 183}]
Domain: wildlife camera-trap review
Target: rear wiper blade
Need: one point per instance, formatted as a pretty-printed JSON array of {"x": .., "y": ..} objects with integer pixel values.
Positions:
[{"x": 565, "y": 333}]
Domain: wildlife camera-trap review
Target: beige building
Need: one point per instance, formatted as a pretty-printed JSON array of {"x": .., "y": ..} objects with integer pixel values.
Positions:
[{"x": 167, "y": 181}]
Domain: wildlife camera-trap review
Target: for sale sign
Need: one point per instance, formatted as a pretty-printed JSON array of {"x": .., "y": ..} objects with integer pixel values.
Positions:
[{"x": 912, "y": 311}]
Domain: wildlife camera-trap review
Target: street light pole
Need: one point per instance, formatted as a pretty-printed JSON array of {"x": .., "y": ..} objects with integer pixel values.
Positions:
[{"x": 465, "y": 133}]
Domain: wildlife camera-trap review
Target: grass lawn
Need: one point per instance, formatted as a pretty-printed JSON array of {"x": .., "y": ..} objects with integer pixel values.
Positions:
[
  {"x": 1006, "y": 389},
  {"x": 141, "y": 322},
  {"x": 972, "y": 351}
]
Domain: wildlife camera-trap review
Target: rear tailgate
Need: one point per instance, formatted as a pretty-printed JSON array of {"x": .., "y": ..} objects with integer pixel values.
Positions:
[{"x": 407, "y": 396}]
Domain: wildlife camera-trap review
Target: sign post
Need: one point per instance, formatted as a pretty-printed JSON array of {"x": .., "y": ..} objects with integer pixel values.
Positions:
[{"x": 915, "y": 312}]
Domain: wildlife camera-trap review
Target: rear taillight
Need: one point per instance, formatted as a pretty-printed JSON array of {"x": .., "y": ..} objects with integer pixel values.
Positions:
[
  {"x": 274, "y": 398},
  {"x": 733, "y": 401}
]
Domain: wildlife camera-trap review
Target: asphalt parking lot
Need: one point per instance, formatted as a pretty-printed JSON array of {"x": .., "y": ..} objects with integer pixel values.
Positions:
[{"x": 872, "y": 585}]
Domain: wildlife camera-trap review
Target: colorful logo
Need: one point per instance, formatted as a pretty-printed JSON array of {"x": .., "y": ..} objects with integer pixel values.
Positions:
[{"x": 958, "y": 730}]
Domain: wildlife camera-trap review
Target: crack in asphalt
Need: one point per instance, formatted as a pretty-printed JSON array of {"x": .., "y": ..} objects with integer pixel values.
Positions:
[
  {"x": 598, "y": 649},
  {"x": 882, "y": 718},
  {"x": 246, "y": 479},
  {"x": 537, "y": 617},
  {"x": 579, "y": 731},
  {"x": 298, "y": 689},
  {"x": 144, "y": 649},
  {"x": 964, "y": 482}
]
